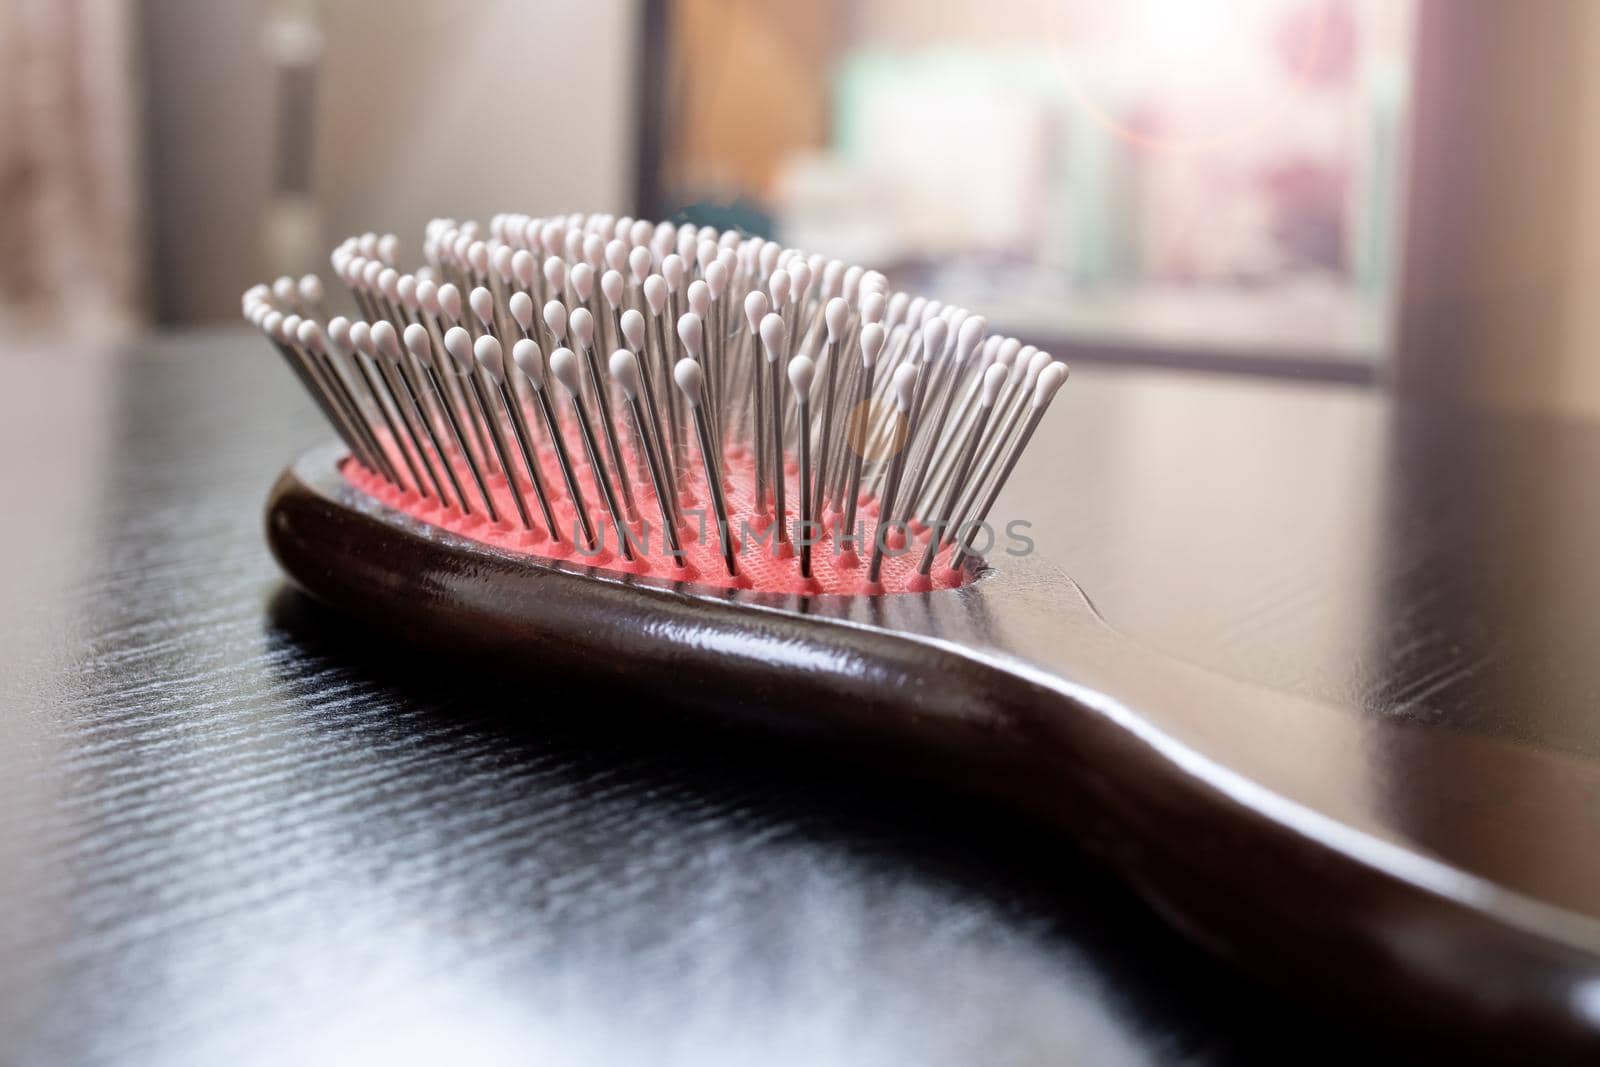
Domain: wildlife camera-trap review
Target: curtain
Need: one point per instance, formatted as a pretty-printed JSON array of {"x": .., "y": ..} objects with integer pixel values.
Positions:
[{"x": 69, "y": 243}]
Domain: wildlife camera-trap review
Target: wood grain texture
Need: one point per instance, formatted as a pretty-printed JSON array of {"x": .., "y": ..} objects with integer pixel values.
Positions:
[{"x": 236, "y": 829}]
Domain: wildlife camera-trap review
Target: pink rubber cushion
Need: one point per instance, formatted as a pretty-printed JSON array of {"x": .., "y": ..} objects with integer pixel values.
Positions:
[{"x": 764, "y": 564}]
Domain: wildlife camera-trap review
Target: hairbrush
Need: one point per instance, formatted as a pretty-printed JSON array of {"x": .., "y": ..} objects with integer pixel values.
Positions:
[{"x": 681, "y": 460}]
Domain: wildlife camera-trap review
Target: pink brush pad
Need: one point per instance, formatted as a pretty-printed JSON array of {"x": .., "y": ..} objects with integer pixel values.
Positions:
[{"x": 762, "y": 566}]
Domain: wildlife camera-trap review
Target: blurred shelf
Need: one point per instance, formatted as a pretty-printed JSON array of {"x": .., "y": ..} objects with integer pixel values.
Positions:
[{"x": 1311, "y": 331}]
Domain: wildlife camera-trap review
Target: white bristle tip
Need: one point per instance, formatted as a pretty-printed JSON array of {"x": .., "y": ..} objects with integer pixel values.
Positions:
[
  {"x": 564, "y": 365},
  {"x": 655, "y": 293},
  {"x": 417, "y": 340},
  {"x": 458, "y": 345},
  {"x": 521, "y": 307},
  {"x": 774, "y": 337},
  {"x": 482, "y": 302},
  {"x": 555, "y": 318},
  {"x": 530, "y": 360},
  {"x": 837, "y": 317},
  {"x": 872, "y": 338},
  {"x": 690, "y": 379},
  {"x": 581, "y": 323},
  {"x": 490, "y": 357},
  {"x": 905, "y": 385},
  {"x": 691, "y": 331},
  {"x": 625, "y": 369},
  {"x": 801, "y": 373},
  {"x": 611, "y": 286},
  {"x": 993, "y": 379},
  {"x": 1051, "y": 379},
  {"x": 633, "y": 329}
]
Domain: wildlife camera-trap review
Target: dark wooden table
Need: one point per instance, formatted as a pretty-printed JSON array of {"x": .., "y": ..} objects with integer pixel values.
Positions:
[{"x": 235, "y": 829}]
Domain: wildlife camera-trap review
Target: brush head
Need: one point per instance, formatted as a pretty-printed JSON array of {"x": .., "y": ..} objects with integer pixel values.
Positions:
[{"x": 792, "y": 304}]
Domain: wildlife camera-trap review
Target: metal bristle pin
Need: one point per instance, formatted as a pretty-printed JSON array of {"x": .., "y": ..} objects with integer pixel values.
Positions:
[{"x": 440, "y": 369}]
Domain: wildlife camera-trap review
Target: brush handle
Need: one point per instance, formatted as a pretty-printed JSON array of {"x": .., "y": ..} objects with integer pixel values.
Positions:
[{"x": 1440, "y": 882}]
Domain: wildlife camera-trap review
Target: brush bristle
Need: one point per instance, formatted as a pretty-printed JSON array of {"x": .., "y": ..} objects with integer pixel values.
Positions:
[{"x": 676, "y": 454}]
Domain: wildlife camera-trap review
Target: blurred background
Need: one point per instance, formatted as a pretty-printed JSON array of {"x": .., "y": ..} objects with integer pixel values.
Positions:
[{"x": 1380, "y": 191}]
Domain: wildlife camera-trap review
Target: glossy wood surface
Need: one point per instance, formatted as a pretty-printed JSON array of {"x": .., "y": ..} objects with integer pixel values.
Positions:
[{"x": 238, "y": 827}]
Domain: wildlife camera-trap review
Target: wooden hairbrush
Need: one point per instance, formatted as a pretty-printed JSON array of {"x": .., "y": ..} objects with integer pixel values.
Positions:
[{"x": 774, "y": 495}]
